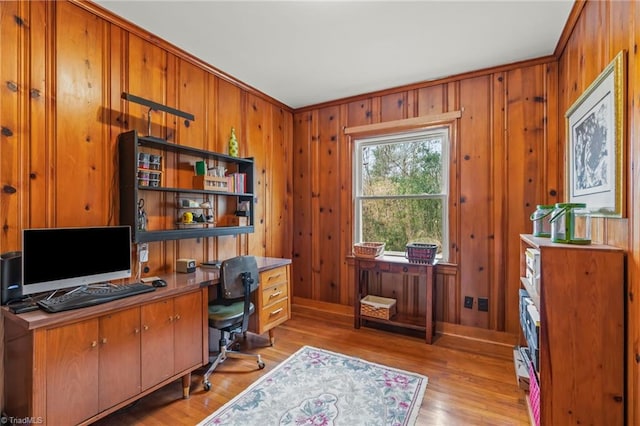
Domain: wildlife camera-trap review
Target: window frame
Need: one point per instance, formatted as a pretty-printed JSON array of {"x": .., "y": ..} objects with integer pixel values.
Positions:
[{"x": 442, "y": 131}]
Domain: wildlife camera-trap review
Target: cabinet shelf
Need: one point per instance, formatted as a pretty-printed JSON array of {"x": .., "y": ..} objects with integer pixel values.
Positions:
[
  {"x": 533, "y": 294},
  {"x": 130, "y": 146},
  {"x": 193, "y": 208},
  {"x": 161, "y": 144},
  {"x": 196, "y": 191},
  {"x": 179, "y": 234}
]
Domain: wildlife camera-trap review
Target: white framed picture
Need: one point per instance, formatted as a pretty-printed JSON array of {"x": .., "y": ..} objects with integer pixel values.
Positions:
[{"x": 595, "y": 150}]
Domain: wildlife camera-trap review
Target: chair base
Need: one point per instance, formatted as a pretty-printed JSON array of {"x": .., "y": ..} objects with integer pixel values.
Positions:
[{"x": 225, "y": 353}]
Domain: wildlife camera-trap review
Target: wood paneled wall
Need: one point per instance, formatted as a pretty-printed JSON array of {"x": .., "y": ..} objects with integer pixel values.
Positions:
[
  {"x": 601, "y": 30},
  {"x": 63, "y": 68},
  {"x": 509, "y": 155},
  {"x": 65, "y": 65},
  {"x": 502, "y": 164}
]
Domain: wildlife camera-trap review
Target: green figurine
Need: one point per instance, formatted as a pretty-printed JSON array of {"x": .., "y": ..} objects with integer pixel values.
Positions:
[{"x": 233, "y": 143}]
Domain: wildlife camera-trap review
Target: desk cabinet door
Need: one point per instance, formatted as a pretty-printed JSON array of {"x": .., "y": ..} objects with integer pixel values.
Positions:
[
  {"x": 72, "y": 366},
  {"x": 157, "y": 342},
  {"x": 188, "y": 331},
  {"x": 119, "y": 341}
]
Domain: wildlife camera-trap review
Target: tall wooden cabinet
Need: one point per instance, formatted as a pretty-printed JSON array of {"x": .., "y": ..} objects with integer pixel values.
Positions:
[{"x": 582, "y": 327}]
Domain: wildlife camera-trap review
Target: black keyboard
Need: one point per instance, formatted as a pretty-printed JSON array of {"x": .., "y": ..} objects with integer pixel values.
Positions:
[{"x": 90, "y": 296}]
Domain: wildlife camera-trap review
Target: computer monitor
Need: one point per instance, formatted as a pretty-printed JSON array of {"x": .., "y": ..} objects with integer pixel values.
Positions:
[{"x": 59, "y": 258}]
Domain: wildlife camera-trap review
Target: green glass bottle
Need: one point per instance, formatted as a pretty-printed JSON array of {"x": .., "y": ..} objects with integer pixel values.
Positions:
[{"x": 233, "y": 143}]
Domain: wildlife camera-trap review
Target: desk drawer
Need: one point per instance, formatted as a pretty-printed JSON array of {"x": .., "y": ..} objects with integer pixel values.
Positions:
[
  {"x": 275, "y": 314},
  {"x": 396, "y": 268},
  {"x": 408, "y": 268},
  {"x": 275, "y": 293},
  {"x": 273, "y": 276}
]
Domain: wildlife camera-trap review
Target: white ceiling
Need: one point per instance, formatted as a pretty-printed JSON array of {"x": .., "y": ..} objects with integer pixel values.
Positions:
[{"x": 307, "y": 52}]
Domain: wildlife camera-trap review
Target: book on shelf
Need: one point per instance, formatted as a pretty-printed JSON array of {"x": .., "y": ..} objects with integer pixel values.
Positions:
[{"x": 237, "y": 182}]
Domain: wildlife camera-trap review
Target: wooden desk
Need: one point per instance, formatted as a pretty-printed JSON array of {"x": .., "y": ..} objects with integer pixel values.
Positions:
[
  {"x": 75, "y": 367},
  {"x": 411, "y": 284}
]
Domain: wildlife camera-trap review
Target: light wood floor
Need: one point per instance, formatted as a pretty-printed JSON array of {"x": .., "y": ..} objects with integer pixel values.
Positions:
[{"x": 470, "y": 382}]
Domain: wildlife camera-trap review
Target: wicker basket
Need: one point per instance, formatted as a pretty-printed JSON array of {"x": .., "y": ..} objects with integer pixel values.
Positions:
[
  {"x": 378, "y": 307},
  {"x": 421, "y": 253},
  {"x": 368, "y": 250}
]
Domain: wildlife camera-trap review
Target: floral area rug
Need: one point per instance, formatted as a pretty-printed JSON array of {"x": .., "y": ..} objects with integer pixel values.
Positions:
[{"x": 321, "y": 388}]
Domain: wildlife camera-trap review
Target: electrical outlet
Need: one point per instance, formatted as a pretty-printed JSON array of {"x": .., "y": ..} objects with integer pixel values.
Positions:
[
  {"x": 468, "y": 302},
  {"x": 143, "y": 252},
  {"x": 483, "y": 304}
]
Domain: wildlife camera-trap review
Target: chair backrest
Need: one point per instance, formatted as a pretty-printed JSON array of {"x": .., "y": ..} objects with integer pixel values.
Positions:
[{"x": 232, "y": 274}]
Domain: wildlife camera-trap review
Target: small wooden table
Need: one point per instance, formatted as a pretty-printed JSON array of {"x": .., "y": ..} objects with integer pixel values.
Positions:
[{"x": 411, "y": 280}]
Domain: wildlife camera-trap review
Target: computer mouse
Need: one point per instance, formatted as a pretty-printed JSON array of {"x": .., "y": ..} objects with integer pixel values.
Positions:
[{"x": 159, "y": 283}]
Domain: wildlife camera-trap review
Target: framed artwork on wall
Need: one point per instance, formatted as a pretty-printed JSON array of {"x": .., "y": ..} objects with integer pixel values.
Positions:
[{"x": 595, "y": 148}]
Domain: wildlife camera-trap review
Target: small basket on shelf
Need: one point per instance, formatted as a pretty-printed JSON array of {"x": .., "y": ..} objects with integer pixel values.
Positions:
[
  {"x": 421, "y": 253},
  {"x": 378, "y": 307},
  {"x": 368, "y": 250}
]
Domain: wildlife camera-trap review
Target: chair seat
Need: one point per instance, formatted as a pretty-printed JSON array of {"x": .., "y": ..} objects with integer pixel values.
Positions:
[{"x": 224, "y": 316}]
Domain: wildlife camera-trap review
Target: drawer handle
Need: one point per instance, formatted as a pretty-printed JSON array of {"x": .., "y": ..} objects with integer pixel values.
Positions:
[
  {"x": 277, "y": 293},
  {"x": 104, "y": 340},
  {"x": 94, "y": 344},
  {"x": 276, "y": 312},
  {"x": 146, "y": 327},
  {"x": 177, "y": 317},
  {"x": 275, "y": 276}
]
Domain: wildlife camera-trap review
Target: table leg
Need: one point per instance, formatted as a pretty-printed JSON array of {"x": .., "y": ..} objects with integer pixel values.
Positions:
[
  {"x": 427, "y": 280},
  {"x": 357, "y": 285},
  {"x": 186, "y": 385}
]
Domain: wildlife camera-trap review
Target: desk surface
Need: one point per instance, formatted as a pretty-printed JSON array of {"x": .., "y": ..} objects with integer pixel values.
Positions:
[{"x": 177, "y": 283}]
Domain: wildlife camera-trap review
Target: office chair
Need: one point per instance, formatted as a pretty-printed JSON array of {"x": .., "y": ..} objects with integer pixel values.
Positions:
[{"x": 230, "y": 312}]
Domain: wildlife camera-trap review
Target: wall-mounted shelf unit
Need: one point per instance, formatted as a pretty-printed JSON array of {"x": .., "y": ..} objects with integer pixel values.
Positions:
[{"x": 133, "y": 189}]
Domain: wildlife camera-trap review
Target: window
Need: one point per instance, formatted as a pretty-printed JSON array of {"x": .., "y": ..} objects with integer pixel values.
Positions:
[{"x": 401, "y": 189}]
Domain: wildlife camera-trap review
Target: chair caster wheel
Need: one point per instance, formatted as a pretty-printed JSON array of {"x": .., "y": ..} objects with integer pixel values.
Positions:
[
  {"x": 260, "y": 365},
  {"x": 207, "y": 386}
]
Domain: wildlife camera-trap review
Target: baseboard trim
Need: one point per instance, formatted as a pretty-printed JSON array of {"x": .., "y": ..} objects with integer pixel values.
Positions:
[
  {"x": 344, "y": 314},
  {"x": 324, "y": 310},
  {"x": 475, "y": 333}
]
